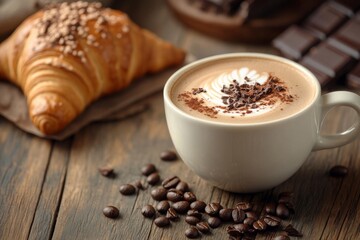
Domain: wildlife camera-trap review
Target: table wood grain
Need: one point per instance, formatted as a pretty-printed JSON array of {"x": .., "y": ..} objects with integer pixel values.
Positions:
[{"x": 53, "y": 190}]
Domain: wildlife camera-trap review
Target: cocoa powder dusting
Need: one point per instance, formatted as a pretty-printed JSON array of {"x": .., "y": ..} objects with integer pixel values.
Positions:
[{"x": 197, "y": 104}]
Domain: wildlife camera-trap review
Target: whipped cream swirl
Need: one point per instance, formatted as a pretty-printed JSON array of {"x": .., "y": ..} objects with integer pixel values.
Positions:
[{"x": 243, "y": 75}]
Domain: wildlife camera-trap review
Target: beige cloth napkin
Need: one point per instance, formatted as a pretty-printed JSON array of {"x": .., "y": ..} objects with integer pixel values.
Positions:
[{"x": 13, "y": 104}]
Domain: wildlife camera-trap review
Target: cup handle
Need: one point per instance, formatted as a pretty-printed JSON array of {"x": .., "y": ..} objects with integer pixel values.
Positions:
[{"x": 330, "y": 100}]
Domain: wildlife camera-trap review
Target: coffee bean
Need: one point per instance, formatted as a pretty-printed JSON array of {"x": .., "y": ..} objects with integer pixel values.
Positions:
[
  {"x": 282, "y": 211},
  {"x": 213, "y": 209},
  {"x": 163, "y": 206},
  {"x": 233, "y": 232},
  {"x": 181, "y": 206},
  {"x": 161, "y": 221},
  {"x": 194, "y": 213},
  {"x": 192, "y": 232},
  {"x": 238, "y": 215},
  {"x": 182, "y": 186},
  {"x": 245, "y": 206},
  {"x": 281, "y": 237},
  {"x": 127, "y": 189},
  {"x": 107, "y": 171},
  {"x": 338, "y": 171},
  {"x": 148, "y": 169},
  {"x": 153, "y": 178},
  {"x": 260, "y": 225},
  {"x": 111, "y": 212},
  {"x": 148, "y": 211},
  {"x": 198, "y": 206},
  {"x": 214, "y": 222},
  {"x": 249, "y": 221},
  {"x": 251, "y": 214},
  {"x": 241, "y": 227},
  {"x": 168, "y": 156},
  {"x": 189, "y": 196},
  {"x": 272, "y": 221},
  {"x": 203, "y": 227},
  {"x": 172, "y": 215},
  {"x": 192, "y": 220},
  {"x": 158, "y": 193},
  {"x": 170, "y": 182},
  {"x": 270, "y": 208},
  {"x": 138, "y": 185},
  {"x": 225, "y": 214},
  {"x": 174, "y": 195},
  {"x": 291, "y": 231}
]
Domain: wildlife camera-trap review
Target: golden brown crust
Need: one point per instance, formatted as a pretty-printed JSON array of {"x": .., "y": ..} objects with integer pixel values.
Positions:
[{"x": 64, "y": 61}]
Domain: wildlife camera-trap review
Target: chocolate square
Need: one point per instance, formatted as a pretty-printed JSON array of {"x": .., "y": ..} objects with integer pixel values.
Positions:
[
  {"x": 328, "y": 60},
  {"x": 347, "y": 38},
  {"x": 295, "y": 42},
  {"x": 325, "y": 20},
  {"x": 353, "y": 78}
]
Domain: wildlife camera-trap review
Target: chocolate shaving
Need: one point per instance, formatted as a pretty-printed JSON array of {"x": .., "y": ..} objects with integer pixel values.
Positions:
[
  {"x": 245, "y": 96},
  {"x": 198, "y": 90}
]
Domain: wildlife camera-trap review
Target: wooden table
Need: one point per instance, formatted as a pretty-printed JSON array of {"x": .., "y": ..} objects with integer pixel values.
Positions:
[{"x": 53, "y": 190}]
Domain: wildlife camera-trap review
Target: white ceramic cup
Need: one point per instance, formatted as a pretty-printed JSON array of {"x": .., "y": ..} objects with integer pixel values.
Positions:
[{"x": 259, "y": 156}]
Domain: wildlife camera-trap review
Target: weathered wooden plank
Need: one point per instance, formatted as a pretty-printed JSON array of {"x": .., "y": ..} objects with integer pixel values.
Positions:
[
  {"x": 23, "y": 164},
  {"x": 46, "y": 211}
]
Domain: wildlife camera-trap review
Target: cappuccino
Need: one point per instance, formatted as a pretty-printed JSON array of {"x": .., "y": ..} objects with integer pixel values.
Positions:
[{"x": 243, "y": 90}]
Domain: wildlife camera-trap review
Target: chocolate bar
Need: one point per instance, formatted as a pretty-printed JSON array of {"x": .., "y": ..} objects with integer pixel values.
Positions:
[{"x": 327, "y": 42}]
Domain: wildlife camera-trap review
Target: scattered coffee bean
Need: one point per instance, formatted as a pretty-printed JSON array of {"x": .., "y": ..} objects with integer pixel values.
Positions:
[
  {"x": 270, "y": 208},
  {"x": 192, "y": 232},
  {"x": 106, "y": 171},
  {"x": 172, "y": 215},
  {"x": 203, "y": 227},
  {"x": 233, "y": 232},
  {"x": 291, "y": 231},
  {"x": 213, "y": 209},
  {"x": 153, "y": 178},
  {"x": 111, "y": 212},
  {"x": 198, "y": 206},
  {"x": 214, "y": 222},
  {"x": 194, "y": 213},
  {"x": 272, "y": 221},
  {"x": 174, "y": 195},
  {"x": 245, "y": 206},
  {"x": 251, "y": 214},
  {"x": 127, "y": 189},
  {"x": 287, "y": 199},
  {"x": 282, "y": 211},
  {"x": 163, "y": 206},
  {"x": 170, "y": 182},
  {"x": 168, "y": 156},
  {"x": 182, "y": 186},
  {"x": 189, "y": 196},
  {"x": 225, "y": 214},
  {"x": 181, "y": 206},
  {"x": 148, "y": 211},
  {"x": 338, "y": 171},
  {"x": 249, "y": 221},
  {"x": 192, "y": 220},
  {"x": 260, "y": 225},
  {"x": 238, "y": 215},
  {"x": 138, "y": 184},
  {"x": 161, "y": 221},
  {"x": 158, "y": 193},
  {"x": 241, "y": 227},
  {"x": 281, "y": 237},
  {"x": 148, "y": 169}
]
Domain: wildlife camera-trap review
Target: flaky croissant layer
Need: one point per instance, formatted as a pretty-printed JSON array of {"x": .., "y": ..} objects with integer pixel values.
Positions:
[{"x": 68, "y": 55}]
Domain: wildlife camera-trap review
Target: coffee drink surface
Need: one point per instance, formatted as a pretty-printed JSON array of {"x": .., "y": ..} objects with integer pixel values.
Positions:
[{"x": 243, "y": 90}]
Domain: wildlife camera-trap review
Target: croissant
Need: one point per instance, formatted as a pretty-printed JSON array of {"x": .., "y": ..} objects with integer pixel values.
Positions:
[{"x": 68, "y": 55}]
